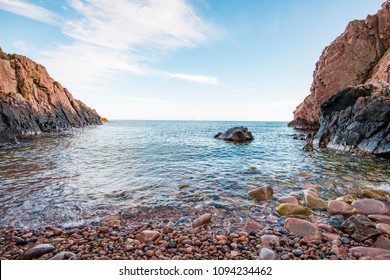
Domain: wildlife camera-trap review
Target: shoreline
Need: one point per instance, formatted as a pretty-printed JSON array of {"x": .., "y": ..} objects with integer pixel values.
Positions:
[{"x": 158, "y": 238}]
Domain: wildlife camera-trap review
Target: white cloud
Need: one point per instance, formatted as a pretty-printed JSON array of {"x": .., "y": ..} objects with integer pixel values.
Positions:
[
  {"x": 207, "y": 80},
  {"x": 31, "y": 11},
  {"x": 126, "y": 35}
]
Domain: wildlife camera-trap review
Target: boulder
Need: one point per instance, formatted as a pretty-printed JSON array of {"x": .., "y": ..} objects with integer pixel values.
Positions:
[
  {"x": 313, "y": 201},
  {"x": 359, "y": 55},
  {"x": 289, "y": 209},
  {"x": 298, "y": 226},
  {"x": 360, "y": 228},
  {"x": 370, "y": 206},
  {"x": 380, "y": 218},
  {"x": 236, "y": 134},
  {"x": 373, "y": 253},
  {"x": 357, "y": 119},
  {"x": 338, "y": 207},
  {"x": 382, "y": 242},
  {"x": 262, "y": 194},
  {"x": 37, "y": 251},
  {"x": 384, "y": 228}
]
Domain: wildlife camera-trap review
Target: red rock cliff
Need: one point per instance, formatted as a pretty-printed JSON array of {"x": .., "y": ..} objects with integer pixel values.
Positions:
[
  {"x": 359, "y": 55},
  {"x": 31, "y": 102}
]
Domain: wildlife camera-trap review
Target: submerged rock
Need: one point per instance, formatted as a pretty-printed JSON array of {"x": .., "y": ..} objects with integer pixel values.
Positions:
[
  {"x": 360, "y": 228},
  {"x": 289, "y": 209},
  {"x": 236, "y": 134},
  {"x": 290, "y": 199},
  {"x": 375, "y": 193},
  {"x": 37, "y": 251},
  {"x": 202, "y": 220},
  {"x": 262, "y": 194}
]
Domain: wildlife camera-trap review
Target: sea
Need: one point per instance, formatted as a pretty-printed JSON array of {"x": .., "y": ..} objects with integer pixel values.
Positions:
[{"x": 81, "y": 175}]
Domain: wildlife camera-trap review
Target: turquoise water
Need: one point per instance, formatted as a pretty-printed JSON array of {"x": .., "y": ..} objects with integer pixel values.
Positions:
[{"x": 83, "y": 174}]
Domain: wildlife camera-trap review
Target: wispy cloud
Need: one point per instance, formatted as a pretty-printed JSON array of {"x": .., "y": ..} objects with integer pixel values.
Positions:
[
  {"x": 207, "y": 80},
  {"x": 119, "y": 36},
  {"x": 29, "y": 10}
]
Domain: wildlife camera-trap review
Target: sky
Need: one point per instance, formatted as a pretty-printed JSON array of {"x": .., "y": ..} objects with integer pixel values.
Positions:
[{"x": 180, "y": 59}]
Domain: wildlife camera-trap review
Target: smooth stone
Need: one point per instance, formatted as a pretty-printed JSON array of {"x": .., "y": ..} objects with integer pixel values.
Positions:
[
  {"x": 202, "y": 220},
  {"x": 267, "y": 254},
  {"x": 148, "y": 236},
  {"x": 21, "y": 242},
  {"x": 63, "y": 256},
  {"x": 374, "y": 193},
  {"x": 290, "y": 199},
  {"x": 330, "y": 236},
  {"x": 384, "y": 228},
  {"x": 185, "y": 186},
  {"x": 338, "y": 207},
  {"x": 368, "y": 252},
  {"x": 369, "y": 206},
  {"x": 262, "y": 194},
  {"x": 103, "y": 230},
  {"x": 298, "y": 226},
  {"x": 360, "y": 228},
  {"x": 382, "y": 242},
  {"x": 289, "y": 209},
  {"x": 251, "y": 226},
  {"x": 297, "y": 252},
  {"x": 336, "y": 221},
  {"x": 37, "y": 251},
  {"x": 313, "y": 201},
  {"x": 385, "y": 219},
  {"x": 346, "y": 198},
  {"x": 268, "y": 238},
  {"x": 327, "y": 228}
]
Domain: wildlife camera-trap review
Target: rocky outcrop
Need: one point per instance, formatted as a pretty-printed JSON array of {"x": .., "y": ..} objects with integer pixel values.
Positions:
[
  {"x": 236, "y": 134},
  {"x": 359, "y": 55},
  {"x": 357, "y": 119},
  {"x": 32, "y": 102}
]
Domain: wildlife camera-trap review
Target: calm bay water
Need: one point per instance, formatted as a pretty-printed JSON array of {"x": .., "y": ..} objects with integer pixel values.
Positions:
[{"x": 84, "y": 174}]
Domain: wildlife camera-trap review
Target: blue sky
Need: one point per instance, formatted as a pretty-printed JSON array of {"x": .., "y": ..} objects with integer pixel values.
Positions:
[{"x": 177, "y": 59}]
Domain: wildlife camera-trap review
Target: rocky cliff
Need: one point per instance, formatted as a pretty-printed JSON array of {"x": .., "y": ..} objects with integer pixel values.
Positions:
[
  {"x": 357, "y": 119},
  {"x": 359, "y": 55},
  {"x": 31, "y": 102}
]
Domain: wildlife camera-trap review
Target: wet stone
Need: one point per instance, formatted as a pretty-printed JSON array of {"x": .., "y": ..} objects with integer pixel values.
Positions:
[
  {"x": 21, "y": 242},
  {"x": 336, "y": 221},
  {"x": 360, "y": 228}
]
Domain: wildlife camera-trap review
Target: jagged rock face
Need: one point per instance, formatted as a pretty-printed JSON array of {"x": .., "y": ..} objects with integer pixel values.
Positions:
[
  {"x": 357, "y": 119},
  {"x": 31, "y": 102},
  {"x": 359, "y": 55}
]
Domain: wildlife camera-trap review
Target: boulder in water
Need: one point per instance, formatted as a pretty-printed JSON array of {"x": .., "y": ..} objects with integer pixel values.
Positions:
[{"x": 236, "y": 134}]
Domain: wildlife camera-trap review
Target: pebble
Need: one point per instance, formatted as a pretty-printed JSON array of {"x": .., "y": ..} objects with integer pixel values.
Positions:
[
  {"x": 297, "y": 252},
  {"x": 267, "y": 254}
]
